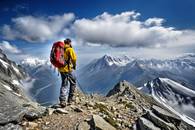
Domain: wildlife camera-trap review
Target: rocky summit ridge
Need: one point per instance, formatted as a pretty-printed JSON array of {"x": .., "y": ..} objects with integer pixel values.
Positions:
[{"x": 124, "y": 107}]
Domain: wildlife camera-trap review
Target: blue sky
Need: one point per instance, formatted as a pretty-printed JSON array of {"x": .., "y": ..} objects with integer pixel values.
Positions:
[
  {"x": 161, "y": 28},
  {"x": 179, "y": 13}
]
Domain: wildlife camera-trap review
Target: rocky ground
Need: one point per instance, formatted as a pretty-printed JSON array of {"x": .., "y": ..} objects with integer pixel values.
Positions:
[{"x": 123, "y": 108}]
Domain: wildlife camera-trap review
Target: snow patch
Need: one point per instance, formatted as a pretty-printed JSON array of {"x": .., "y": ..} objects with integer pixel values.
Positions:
[
  {"x": 15, "y": 82},
  {"x": 34, "y": 61},
  {"x": 140, "y": 88},
  {"x": 5, "y": 64},
  {"x": 19, "y": 95},
  {"x": 16, "y": 69},
  {"x": 7, "y": 87}
]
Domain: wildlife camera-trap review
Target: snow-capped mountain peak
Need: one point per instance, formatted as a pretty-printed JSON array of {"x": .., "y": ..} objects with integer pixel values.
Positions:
[
  {"x": 178, "y": 87},
  {"x": 106, "y": 62},
  {"x": 119, "y": 61},
  {"x": 169, "y": 87},
  {"x": 34, "y": 61}
]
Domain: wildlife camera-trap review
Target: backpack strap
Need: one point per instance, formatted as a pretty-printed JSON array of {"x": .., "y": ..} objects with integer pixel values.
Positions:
[{"x": 67, "y": 61}]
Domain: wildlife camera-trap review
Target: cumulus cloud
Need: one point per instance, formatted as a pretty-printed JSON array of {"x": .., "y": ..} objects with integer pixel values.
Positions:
[
  {"x": 9, "y": 48},
  {"x": 37, "y": 29},
  {"x": 154, "y": 21},
  {"x": 126, "y": 29}
]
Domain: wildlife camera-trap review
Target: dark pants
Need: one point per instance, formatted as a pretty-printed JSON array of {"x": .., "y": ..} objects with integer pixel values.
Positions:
[{"x": 67, "y": 78}]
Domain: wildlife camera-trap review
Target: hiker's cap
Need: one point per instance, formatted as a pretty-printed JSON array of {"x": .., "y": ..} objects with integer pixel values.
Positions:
[{"x": 67, "y": 41}]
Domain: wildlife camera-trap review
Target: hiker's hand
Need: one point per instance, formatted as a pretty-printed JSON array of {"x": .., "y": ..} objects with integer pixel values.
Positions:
[{"x": 74, "y": 67}]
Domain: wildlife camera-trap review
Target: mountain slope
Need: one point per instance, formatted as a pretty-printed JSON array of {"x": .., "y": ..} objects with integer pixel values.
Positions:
[
  {"x": 46, "y": 82},
  {"x": 15, "y": 105},
  {"x": 174, "y": 96}
]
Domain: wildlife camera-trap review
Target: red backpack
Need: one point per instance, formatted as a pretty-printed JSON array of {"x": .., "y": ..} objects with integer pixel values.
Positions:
[{"x": 57, "y": 54}]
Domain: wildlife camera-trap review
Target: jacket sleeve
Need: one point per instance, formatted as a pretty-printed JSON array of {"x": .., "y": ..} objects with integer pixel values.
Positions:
[{"x": 73, "y": 56}]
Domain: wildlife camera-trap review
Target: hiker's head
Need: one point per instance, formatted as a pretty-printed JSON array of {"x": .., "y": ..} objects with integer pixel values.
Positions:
[{"x": 67, "y": 42}]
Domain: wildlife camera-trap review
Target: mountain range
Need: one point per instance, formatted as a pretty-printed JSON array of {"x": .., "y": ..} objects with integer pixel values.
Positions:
[{"x": 100, "y": 75}]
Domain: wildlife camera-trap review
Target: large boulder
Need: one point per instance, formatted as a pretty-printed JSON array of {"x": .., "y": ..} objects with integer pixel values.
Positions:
[
  {"x": 145, "y": 124},
  {"x": 84, "y": 125},
  {"x": 101, "y": 124}
]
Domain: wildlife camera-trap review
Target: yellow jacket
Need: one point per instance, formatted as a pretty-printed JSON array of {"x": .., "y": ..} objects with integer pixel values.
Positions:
[{"x": 69, "y": 54}]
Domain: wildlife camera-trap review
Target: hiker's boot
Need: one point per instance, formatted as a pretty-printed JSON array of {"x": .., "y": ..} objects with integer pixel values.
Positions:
[
  {"x": 63, "y": 104},
  {"x": 71, "y": 99}
]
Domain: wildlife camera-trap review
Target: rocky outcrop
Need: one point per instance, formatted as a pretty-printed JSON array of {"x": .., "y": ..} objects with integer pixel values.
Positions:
[
  {"x": 145, "y": 124},
  {"x": 162, "y": 119},
  {"x": 118, "y": 89},
  {"x": 15, "y": 105},
  {"x": 154, "y": 116}
]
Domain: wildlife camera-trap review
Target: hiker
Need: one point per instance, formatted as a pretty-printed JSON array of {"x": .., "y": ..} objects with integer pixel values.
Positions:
[
  {"x": 63, "y": 57},
  {"x": 66, "y": 74}
]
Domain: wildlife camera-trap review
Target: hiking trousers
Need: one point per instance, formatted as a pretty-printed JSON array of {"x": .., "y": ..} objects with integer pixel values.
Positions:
[{"x": 67, "y": 78}]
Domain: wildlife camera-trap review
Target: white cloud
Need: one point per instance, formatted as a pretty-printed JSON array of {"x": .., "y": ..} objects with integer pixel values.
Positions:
[
  {"x": 9, "y": 48},
  {"x": 37, "y": 29},
  {"x": 126, "y": 29},
  {"x": 154, "y": 22}
]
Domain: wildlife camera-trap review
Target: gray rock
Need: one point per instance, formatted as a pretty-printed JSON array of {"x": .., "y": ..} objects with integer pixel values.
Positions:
[
  {"x": 11, "y": 126},
  {"x": 101, "y": 124},
  {"x": 160, "y": 122},
  {"x": 50, "y": 111},
  {"x": 10, "y": 110},
  {"x": 31, "y": 115},
  {"x": 145, "y": 124},
  {"x": 62, "y": 111},
  {"x": 34, "y": 111},
  {"x": 76, "y": 108},
  {"x": 166, "y": 115},
  {"x": 83, "y": 126},
  {"x": 32, "y": 124}
]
